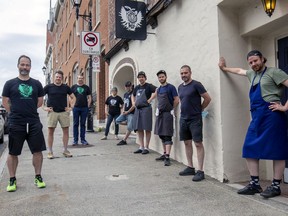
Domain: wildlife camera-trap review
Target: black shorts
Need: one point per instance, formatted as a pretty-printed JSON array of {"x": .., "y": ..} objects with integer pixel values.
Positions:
[
  {"x": 32, "y": 133},
  {"x": 191, "y": 129},
  {"x": 166, "y": 140}
]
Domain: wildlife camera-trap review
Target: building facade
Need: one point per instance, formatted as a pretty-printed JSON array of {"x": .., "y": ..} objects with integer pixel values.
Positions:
[
  {"x": 197, "y": 33},
  {"x": 180, "y": 32}
]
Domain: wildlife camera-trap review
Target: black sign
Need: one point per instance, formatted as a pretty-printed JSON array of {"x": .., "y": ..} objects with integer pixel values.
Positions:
[{"x": 130, "y": 19}]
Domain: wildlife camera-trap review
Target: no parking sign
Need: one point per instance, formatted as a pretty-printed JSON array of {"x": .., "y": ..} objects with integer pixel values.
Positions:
[
  {"x": 96, "y": 63},
  {"x": 90, "y": 43}
]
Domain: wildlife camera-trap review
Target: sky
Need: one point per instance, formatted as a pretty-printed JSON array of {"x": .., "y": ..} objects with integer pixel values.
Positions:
[{"x": 23, "y": 31}]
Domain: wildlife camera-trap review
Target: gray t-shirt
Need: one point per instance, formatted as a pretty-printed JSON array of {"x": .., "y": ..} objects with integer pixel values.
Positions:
[{"x": 271, "y": 87}]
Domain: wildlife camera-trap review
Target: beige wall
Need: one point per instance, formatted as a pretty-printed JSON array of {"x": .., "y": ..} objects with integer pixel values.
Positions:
[{"x": 197, "y": 35}]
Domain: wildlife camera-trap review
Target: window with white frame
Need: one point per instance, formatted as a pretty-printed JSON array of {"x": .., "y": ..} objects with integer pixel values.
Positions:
[{"x": 97, "y": 12}]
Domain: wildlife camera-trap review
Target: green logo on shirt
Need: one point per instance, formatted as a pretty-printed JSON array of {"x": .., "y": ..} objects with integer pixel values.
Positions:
[
  {"x": 25, "y": 90},
  {"x": 80, "y": 90}
]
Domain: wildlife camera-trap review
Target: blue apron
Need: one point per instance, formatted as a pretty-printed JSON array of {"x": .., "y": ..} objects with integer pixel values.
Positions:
[{"x": 266, "y": 137}]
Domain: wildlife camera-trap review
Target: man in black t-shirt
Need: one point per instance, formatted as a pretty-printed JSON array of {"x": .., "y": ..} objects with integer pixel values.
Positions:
[
  {"x": 190, "y": 94},
  {"x": 82, "y": 93},
  {"x": 21, "y": 97},
  {"x": 112, "y": 109},
  {"x": 127, "y": 116},
  {"x": 58, "y": 108},
  {"x": 142, "y": 96}
]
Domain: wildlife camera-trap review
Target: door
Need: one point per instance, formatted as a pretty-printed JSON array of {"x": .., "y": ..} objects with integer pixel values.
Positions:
[{"x": 283, "y": 64}]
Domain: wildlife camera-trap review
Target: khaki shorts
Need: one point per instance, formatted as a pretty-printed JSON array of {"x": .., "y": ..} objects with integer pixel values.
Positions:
[{"x": 62, "y": 117}]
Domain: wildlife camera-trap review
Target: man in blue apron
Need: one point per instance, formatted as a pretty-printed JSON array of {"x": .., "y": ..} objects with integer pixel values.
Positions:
[
  {"x": 142, "y": 96},
  {"x": 168, "y": 99},
  {"x": 266, "y": 137}
]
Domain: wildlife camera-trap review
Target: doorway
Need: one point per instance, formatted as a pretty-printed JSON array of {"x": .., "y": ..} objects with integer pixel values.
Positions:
[{"x": 283, "y": 65}]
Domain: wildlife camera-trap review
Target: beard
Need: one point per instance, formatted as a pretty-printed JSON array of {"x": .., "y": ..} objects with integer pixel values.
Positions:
[{"x": 24, "y": 72}]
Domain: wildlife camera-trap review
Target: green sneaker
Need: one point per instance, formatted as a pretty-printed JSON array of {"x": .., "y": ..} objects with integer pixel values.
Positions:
[
  {"x": 12, "y": 186},
  {"x": 38, "y": 181}
]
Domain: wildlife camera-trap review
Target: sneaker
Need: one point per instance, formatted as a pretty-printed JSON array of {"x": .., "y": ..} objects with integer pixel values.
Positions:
[
  {"x": 199, "y": 176},
  {"x": 122, "y": 142},
  {"x": 161, "y": 158},
  {"x": 50, "y": 155},
  {"x": 271, "y": 192},
  {"x": 250, "y": 189},
  {"x": 12, "y": 186},
  {"x": 138, "y": 151},
  {"x": 104, "y": 138},
  {"x": 84, "y": 142},
  {"x": 167, "y": 162},
  {"x": 187, "y": 171},
  {"x": 67, "y": 154},
  {"x": 145, "y": 151},
  {"x": 38, "y": 181},
  {"x": 116, "y": 137},
  {"x": 75, "y": 143}
]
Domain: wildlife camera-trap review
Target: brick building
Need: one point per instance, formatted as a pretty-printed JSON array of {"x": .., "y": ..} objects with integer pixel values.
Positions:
[{"x": 63, "y": 51}]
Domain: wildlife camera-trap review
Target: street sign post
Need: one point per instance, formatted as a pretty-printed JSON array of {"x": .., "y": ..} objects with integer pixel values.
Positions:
[
  {"x": 96, "y": 63},
  {"x": 90, "y": 43}
]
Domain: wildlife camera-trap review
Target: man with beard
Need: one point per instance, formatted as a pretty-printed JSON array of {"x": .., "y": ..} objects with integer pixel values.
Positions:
[
  {"x": 21, "y": 97},
  {"x": 82, "y": 93},
  {"x": 167, "y": 98},
  {"x": 127, "y": 116},
  {"x": 191, "y": 125},
  {"x": 266, "y": 137},
  {"x": 58, "y": 111},
  {"x": 142, "y": 96}
]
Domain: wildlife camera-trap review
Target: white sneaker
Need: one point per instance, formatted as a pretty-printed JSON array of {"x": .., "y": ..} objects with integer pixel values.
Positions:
[
  {"x": 116, "y": 137},
  {"x": 104, "y": 138}
]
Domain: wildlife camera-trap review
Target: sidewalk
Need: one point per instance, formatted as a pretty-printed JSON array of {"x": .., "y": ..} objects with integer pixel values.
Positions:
[{"x": 105, "y": 179}]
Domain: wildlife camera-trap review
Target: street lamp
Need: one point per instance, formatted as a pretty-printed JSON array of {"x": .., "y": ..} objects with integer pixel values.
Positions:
[
  {"x": 269, "y": 6},
  {"x": 87, "y": 18},
  {"x": 44, "y": 70}
]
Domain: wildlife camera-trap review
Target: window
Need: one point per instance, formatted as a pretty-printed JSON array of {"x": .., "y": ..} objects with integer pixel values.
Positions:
[
  {"x": 70, "y": 43},
  {"x": 97, "y": 11},
  {"x": 67, "y": 50},
  {"x": 74, "y": 35}
]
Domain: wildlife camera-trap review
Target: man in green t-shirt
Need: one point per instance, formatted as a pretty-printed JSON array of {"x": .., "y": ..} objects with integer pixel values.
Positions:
[{"x": 266, "y": 137}]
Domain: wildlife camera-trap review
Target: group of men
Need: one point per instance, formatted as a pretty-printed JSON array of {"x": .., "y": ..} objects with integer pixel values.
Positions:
[
  {"x": 22, "y": 96},
  {"x": 266, "y": 136}
]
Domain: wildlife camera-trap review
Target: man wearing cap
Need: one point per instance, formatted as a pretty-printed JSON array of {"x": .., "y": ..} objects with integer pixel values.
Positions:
[
  {"x": 167, "y": 98},
  {"x": 266, "y": 137},
  {"x": 112, "y": 109},
  {"x": 142, "y": 96},
  {"x": 127, "y": 116}
]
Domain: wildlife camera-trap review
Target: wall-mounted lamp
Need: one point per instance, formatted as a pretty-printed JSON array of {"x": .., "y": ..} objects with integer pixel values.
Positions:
[
  {"x": 44, "y": 70},
  {"x": 269, "y": 6}
]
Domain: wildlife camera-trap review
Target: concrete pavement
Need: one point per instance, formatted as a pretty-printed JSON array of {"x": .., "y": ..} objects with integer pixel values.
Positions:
[{"x": 105, "y": 179}]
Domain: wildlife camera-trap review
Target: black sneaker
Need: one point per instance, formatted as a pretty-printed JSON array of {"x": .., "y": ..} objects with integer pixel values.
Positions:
[
  {"x": 145, "y": 151},
  {"x": 250, "y": 189},
  {"x": 271, "y": 192},
  {"x": 199, "y": 176},
  {"x": 187, "y": 171},
  {"x": 122, "y": 142},
  {"x": 138, "y": 151},
  {"x": 167, "y": 161},
  {"x": 161, "y": 158}
]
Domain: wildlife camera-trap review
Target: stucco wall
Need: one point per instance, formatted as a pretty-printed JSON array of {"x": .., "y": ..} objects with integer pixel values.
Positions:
[{"x": 185, "y": 35}]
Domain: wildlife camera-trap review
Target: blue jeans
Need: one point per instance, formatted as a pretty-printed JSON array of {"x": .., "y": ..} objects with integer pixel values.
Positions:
[
  {"x": 79, "y": 113},
  {"x": 126, "y": 118},
  {"x": 109, "y": 121}
]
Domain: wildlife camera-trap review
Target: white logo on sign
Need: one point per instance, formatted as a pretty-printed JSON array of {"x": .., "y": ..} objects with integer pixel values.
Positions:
[{"x": 131, "y": 19}]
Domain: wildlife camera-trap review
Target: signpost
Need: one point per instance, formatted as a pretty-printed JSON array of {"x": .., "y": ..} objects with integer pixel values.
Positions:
[{"x": 90, "y": 43}]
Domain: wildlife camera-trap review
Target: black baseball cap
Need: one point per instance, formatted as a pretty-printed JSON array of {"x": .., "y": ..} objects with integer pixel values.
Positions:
[
  {"x": 128, "y": 84},
  {"x": 141, "y": 73},
  {"x": 256, "y": 53},
  {"x": 161, "y": 72}
]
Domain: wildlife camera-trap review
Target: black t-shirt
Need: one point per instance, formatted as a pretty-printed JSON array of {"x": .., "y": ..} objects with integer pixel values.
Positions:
[
  {"x": 149, "y": 89},
  {"x": 57, "y": 96},
  {"x": 127, "y": 101},
  {"x": 81, "y": 93},
  {"x": 23, "y": 97},
  {"x": 190, "y": 97},
  {"x": 114, "y": 104}
]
